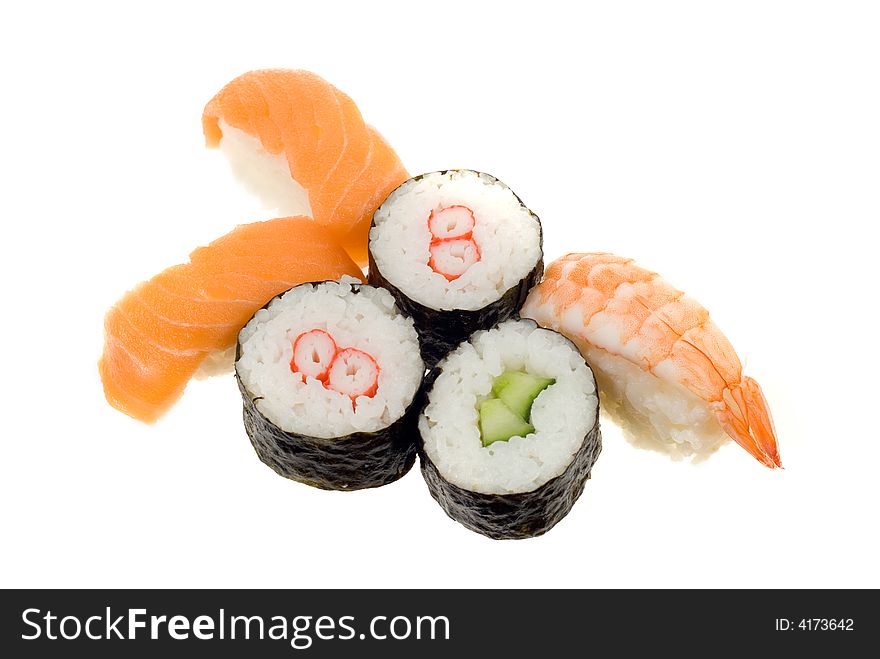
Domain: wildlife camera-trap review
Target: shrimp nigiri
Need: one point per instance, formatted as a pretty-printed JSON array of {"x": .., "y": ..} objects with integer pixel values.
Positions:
[{"x": 666, "y": 373}]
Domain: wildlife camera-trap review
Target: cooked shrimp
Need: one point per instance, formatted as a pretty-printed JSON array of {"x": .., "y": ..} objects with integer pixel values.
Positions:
[{"x": 667, "y": 367}]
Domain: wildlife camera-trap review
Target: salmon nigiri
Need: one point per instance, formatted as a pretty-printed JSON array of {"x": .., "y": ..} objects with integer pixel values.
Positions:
[
  {"x": 666, "y": 373},
  {"x": 302, "y": 146},
  {"x": 161, "y": 333}
]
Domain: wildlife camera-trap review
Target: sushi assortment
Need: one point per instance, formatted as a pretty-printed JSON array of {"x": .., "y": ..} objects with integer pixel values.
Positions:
[{"x": 455, "y": 345}]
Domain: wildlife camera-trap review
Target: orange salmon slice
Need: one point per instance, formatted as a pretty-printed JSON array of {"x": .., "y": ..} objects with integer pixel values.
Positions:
[
  {"x": 159, "y": 334},
  {"x": 308, "y": 131}
]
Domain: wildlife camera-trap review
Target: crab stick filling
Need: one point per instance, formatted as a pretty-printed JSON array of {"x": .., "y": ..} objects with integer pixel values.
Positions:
[
  {"x": 354, "y": 373},
  {"x": 348, "y": 371},
  {"x": 451, "y": 222},
  {"x": 313, "y": 352},
  {"x": 453, "y": 249},
  {"x": 451, "y": 258}
]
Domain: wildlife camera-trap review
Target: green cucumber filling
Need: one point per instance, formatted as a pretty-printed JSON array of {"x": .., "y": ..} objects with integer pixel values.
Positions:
[{"x": 508, "y": 411}]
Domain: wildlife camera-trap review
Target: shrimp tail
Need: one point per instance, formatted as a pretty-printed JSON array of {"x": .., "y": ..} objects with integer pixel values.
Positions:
[{"x": 745, "y": 416}]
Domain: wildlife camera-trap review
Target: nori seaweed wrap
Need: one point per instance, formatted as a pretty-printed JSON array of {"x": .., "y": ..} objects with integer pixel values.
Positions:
[
  {"x": 459, "y": 252},
  {"x": 510, "y": 430},
  {"x": 329, "y": 374}
]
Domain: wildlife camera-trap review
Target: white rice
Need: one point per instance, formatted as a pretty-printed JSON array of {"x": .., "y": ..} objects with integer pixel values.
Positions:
[
  {"x": 508, "y": 236},
  {"x": 653, "y": 413},
  {"x": 219, "y": 362},
  {"x": 263, "y": 174},
  {"x": 368, "y": 321},
  {"x": 562, "y": 414}
]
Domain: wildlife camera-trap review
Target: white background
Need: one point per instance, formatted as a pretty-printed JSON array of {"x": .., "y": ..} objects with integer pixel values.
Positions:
[{"x": 735, "y": 150}]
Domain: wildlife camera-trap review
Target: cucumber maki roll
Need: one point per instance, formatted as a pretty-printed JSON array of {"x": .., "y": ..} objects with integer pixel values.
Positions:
[
  {"x": 329, "y": 373},
  {"x": 459, "y": 251},
  {"x": 510, "y": 430}
]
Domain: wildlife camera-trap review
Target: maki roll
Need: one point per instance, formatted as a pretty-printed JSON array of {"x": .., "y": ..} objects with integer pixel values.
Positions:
[
  {"x": 328, "y": 373},
  {"x": 510, "y": 430},
  {"x": 459, "y": 251}
]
